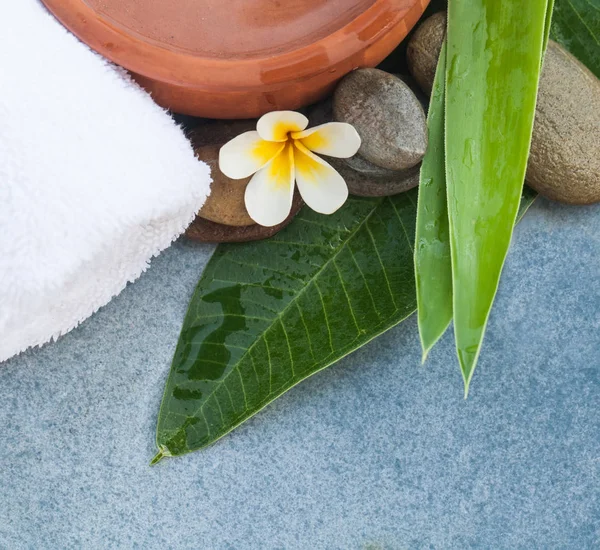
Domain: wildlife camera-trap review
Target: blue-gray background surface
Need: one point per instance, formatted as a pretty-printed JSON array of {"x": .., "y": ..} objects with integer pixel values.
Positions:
[{"x": 376, "y": 452}]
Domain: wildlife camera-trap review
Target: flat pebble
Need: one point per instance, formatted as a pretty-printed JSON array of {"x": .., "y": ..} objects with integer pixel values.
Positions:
[{"x": 364, "y": 185}]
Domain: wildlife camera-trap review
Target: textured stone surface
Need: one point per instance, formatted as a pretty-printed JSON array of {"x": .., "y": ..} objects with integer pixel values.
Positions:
[
  {"x": 424, "y": 49},
  {"x": 375, "y": 452},
  {"x": 387, "y": 115},
  {"x": 564, "y": 163},
  {"x": 410, "y": 81}
]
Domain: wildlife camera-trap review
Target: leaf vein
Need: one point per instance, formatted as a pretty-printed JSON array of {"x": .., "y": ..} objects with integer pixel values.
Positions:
[
  {"x": 347, "y": 296},
  {"x": 287, "y": 339},
  {"x": 382, "y": 266},
  {"x": 350, "y": 235}
]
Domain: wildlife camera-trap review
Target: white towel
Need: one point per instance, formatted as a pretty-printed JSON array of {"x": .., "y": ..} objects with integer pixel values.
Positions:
[{"x": 95, "y": 179}]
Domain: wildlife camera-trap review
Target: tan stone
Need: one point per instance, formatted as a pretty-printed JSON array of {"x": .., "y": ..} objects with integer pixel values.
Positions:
[
  {"x": 225, "y": 204},
  {"x": 564, "y": 163}
]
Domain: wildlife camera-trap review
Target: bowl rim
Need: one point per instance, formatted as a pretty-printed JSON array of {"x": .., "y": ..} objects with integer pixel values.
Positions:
[{"x": 180, "y": 68}]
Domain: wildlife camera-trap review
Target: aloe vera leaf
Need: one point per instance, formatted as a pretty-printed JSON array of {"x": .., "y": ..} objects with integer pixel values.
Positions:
[
  {"x": 548, "y": 23},
  {"x": 433, "y": 268},
  {"x": 494, "y": 60}
]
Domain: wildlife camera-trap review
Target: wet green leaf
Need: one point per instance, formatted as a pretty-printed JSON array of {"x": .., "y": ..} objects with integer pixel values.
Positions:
[
  {"x": 576, "y": 25},
  {"x": 267, "y": 315},
  {"x": 491, "y": 86},
  {"x": 315, "y": 292},
  {"x": 433, "y": 269}
]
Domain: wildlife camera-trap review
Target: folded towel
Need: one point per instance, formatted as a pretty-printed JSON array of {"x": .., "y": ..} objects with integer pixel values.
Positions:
[{"x": 95, "y": 179}]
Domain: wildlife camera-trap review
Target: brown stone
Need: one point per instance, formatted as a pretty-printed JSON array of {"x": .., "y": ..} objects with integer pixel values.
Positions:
[
  {"x": 205, "y": 231},
  {"x": 225, "y": 204},
  {"x": 219, "y": 132}
]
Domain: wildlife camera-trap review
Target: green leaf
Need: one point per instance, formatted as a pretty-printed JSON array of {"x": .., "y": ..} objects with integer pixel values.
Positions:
[
  {"x": 318, "y": 290},
  {"x": 548, "y": 22},
  {"x": 267, "y": 315},
  {"x": 494, "y": 62},
  {"x": 576, "y": 25},
  {"x": 527, "y": 198},
  {"x": 433, "y": 269}
]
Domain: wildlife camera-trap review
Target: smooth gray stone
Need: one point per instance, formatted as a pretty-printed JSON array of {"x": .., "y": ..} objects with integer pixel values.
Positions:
[
  {"x": 387, "y": 115},
  {"x": 375, "y": 452}
]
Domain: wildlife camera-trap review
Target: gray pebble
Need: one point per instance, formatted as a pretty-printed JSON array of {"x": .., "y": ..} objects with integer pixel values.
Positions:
[
  {"x": 387, "y": 115},
  {"x": 367, "y": 168},
  {"x": 371, "y": 186}
]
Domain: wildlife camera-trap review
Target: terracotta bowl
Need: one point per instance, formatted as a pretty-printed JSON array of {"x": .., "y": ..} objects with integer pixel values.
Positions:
[{"x": 239, "y": 58}]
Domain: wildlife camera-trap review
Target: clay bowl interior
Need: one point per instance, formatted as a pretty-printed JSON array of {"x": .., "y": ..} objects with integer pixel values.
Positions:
[{"x": 239, "y": 58}]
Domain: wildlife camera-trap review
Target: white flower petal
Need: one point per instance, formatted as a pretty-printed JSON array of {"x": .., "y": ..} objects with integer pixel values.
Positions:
[
  {"x": 334, "y": 139},
  {"x": 246, "y": 154},
  {"x": 277, "y": 125},
  {"x": 270, "y": 191},
  {"x": 321, "y": 187}
]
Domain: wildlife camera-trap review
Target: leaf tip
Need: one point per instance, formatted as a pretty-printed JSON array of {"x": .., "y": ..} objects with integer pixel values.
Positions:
[
  {"x": 162, "y": 453},
  {"x": 467, "y": 385},
  {"x": 467, "y": 374}
]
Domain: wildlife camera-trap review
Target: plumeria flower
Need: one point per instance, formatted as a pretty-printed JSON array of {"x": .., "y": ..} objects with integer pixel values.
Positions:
[{"x": 280, "y": 154}]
